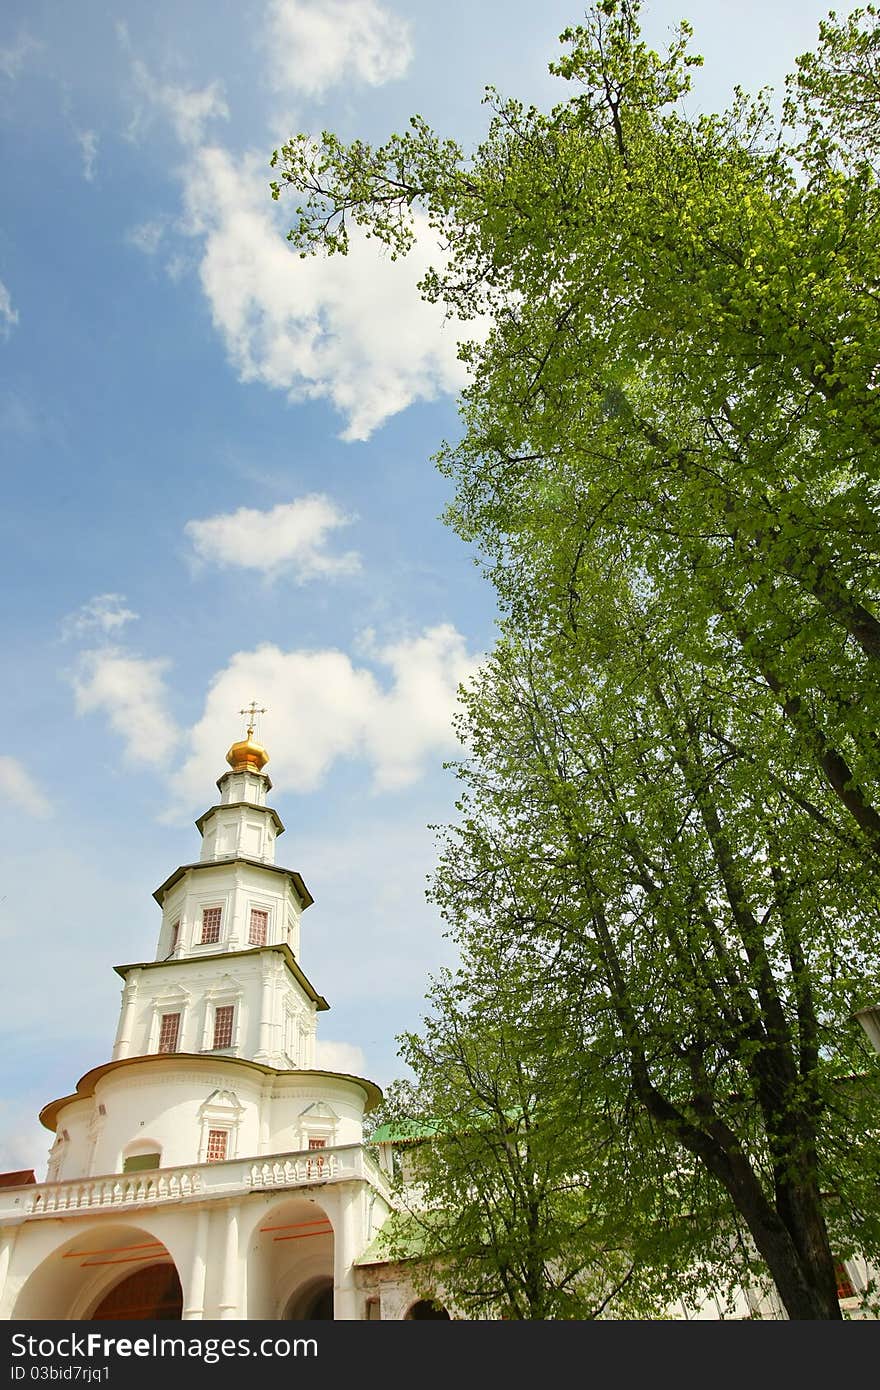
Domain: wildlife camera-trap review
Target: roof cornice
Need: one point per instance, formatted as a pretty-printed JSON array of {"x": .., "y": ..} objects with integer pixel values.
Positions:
[
  {"x": 303, "y": 893},
  {"x": 236, "y": 805},
  {"x": 165, "y": 1061},
  {"x": 281, "y": 948}
]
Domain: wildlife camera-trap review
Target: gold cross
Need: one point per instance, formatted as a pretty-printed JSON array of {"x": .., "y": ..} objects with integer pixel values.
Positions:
[{"x": 251, "y": 713}]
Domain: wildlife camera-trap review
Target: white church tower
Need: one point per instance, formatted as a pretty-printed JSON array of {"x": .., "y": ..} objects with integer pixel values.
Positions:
[{"x": 207, "y": 1170}]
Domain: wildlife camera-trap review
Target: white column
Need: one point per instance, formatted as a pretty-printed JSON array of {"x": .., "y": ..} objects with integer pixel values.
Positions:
[
  {"x": 194, "y": 1302},
  {"x": 267, "y": 998},
  {"x": 230, "y": 1287},
  {"x": 8, "y": 1238},
  {"x": 345, "y": 1252},
  {"x": 237, "y": 934},
  {"x": 265, "y": 1118},
  {"x": 122, "y": 1045}
]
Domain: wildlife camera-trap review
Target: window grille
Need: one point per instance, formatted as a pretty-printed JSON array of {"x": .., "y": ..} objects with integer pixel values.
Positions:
[
  {"x": 169, "y": 1032},
  {"x": 259, "y": 929},
  {"x": 217, "y": 1140},
  {"x": 211, "y": 924},
  {"x": 223, "y": 1025},
  {"x": 844, "y": 1283},
  {"x": 316, "y": 1160}
]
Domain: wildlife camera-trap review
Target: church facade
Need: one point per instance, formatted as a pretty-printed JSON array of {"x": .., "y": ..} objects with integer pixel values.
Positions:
[{"x": 207, "y": 1170}]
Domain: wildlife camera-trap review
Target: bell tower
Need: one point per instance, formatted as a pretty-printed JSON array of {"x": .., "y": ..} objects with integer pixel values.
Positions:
[{"x": 226, "y": 978}]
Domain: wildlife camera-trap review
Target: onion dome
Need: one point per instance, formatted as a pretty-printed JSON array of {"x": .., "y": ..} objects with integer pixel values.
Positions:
[{"x": 246, "y": 755}]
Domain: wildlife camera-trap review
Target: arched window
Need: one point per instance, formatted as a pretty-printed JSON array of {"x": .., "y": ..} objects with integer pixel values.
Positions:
[{"x": 141, "y": 1156}]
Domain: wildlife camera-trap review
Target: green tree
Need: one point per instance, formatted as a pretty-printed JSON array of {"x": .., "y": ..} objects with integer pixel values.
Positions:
[
  {"x": 500, "y": 1220},
  {"x": 669, "y": 464},
  {"x": 697, "y": 938},
  {"x": 682, "y": 356},
  {"x": 499, "y": 1181}
]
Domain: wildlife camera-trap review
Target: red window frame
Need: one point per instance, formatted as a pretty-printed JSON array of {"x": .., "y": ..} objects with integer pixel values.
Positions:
[
  {"x": 218, "y": 1143},
  {"x": 211, "y": 924},
  {"x": 844, "y": 1283},
  {"x": 169, "y": 1032},
  {"x": 258, "y": 931},
  {"x": 224, "y": 1023},
  {"x": 316, "y": 1164}
]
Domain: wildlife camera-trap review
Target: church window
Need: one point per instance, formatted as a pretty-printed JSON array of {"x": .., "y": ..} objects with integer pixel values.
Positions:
[
  {"x": 175, "y": 934},
  {"x": 223, "y": 1018},
  {"x": 140, "y": 1163},
  {"x": 259, "y": 928},
  {"x": 217, "y": 1140},
  {"x": 844, "y": 1283},
  {"x": 169, "y": 1032},
  {"x": 211, "y": 924},
  {"x": 316, "y": 1160}
]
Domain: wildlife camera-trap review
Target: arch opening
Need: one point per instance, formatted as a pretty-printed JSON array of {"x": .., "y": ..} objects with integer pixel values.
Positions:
[
  {"x": 428, "y": 1308},
  {"x": 290, "y": 1262},
  {"x": 152, "y": 1293},
  {"x": 313, "y": 1303},
  {"x": 78, "y": 1279}
]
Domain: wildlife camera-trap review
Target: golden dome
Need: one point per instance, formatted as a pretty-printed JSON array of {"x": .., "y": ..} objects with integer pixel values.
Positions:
[{"x": 247, "y": 756}]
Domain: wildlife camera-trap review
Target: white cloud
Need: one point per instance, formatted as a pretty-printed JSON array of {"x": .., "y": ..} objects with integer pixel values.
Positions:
[
  {"x": 349, "y": 328},
  {"x": 104, "y": 613},
  {"x": 353, "y": 330},
  {"x": 8, "y": 315},
  {"x": 338, "y": 1056},
  {"x": 315, "y": 44},
  {"x": 190, "y": 109},
  {"x": 414, "y": 718},
  {"x": 291, "y": 537},
  {"x": 323, "y": 708},
  {"x": 18, "y": 786},
  {"x": 177, "y": 266},
  {"x": 88, "y": 144},
  {"x": 131, "y": 691},
  {"x": 12, "y": 58},
  {"x": 146, "y": 237}
]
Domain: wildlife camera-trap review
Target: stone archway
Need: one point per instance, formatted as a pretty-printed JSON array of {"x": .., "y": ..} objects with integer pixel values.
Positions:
[
  {"x": 427, "y": 1308},
  {"x": 290, "y": 1261},
  {"x": 73, "y": 1281},
  {"x": 312, "y": 1302}
]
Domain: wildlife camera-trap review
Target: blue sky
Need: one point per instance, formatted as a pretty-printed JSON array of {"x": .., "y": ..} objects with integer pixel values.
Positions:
[{"x": 217, "y": 485}]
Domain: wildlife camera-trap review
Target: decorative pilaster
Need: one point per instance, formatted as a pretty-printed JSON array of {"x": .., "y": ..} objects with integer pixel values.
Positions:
[
  {"x": 267, "y": 1008},
  {"x": 230, "y": 1292},
  {"x": 7, "y": 1241},
  {"x": 194, "y": 1299},
  {"x": 122, "y": 1045},
  {"x": 345, "y": 1252}
]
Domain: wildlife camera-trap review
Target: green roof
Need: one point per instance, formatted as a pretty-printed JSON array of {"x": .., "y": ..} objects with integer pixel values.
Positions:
[
  {"x": 405, "y": 1132},
  {"x": 411, "y": 1131},
  {"x": 401, "y": 1238}
]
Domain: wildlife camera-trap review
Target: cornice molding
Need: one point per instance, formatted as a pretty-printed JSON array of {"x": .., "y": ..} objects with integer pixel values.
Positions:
[{"x": 200, "y": 1067}]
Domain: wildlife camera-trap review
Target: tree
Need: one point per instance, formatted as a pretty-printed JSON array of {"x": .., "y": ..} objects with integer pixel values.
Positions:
[
  {"x": 499, "y": 1220},
  {"x": 669, "y": 464},
  {"x": 712, "y": 942},
  {"x": 499, "y": 1190},
  {"x": 685, "y": 331}
]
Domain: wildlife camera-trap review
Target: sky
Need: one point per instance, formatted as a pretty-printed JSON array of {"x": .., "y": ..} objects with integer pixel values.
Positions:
[{"x": 217, "y": 486}]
